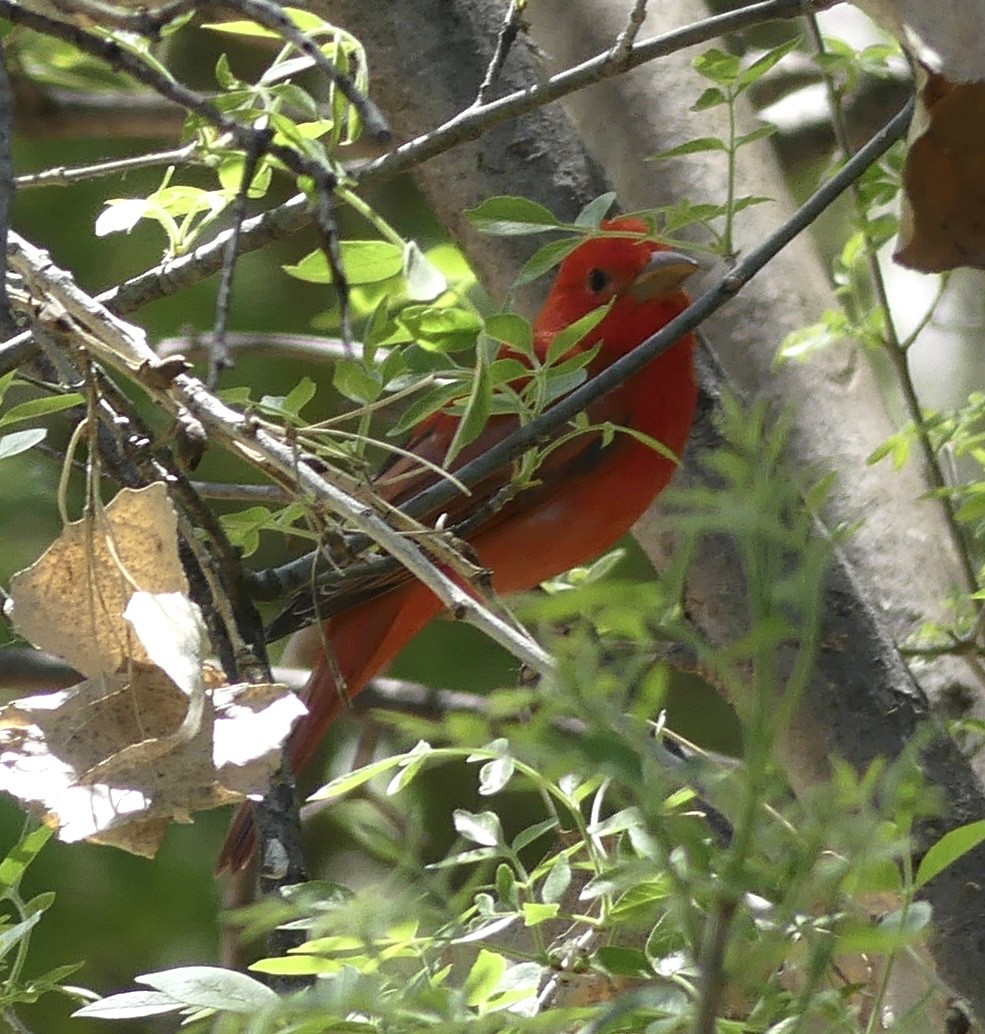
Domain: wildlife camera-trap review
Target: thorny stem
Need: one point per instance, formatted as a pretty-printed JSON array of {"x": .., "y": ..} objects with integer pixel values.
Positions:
[{"x": 894, "y": 348}]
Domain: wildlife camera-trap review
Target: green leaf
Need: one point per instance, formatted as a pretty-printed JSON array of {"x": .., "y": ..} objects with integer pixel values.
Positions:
[
  {"x": 484, "y": 977},
  {"x": 210, "y": 987},
  {"x": 595, "y": 211},
  {"x": 298, "y": 966},
  {"x": 41, "y": 407},
  {"x": 353, "y": 379},
  {"x": 762, "y": 65},
  {"x": 512, "y": 330},
  {"x": 294, "y": 401},
  {"x": 425, "y": 281},
  {"x": 557, "y": 881},
  {"x": 477, "y": 411},
  {"x": 891, "y": 933},
  {"x": 624, "y": 962},
  {"x": 494, "y": 775},
  {"x": 760, "y": 133},
  {"x": 527, "y": 836},
  {"x": 507, "y": 216},
  {"x": 13, "y": 935},
  {"x": 545, "y": 259},
  {"x": 718, "y": 66},
  {"x": 20, "y": 856},
  {"x": 351, "y": 780},
  {"x": 575, "y": 332},
  {"x": 534, "y": 913},
  {"x": 952, "y": 846},
  {"x": 244, "y": 527},
  {"x": 129, "y": 1005},
  {"x": 506, "y": 885},
  {"x": 441, "y": 329},
  {"x": 697, "y": 146},
  {"x": 5, "y": 382},
  {"x": 435, "y": 399},
  {"x": 363, "y": 262},
  {"x": 713, "y": 97},
  {"x": 307, "y": 21},
  {"x": 20, "y": 441},
  {"x": 480, "y": 827}
]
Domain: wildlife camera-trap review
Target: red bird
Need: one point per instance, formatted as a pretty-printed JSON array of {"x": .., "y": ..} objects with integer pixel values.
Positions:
[{"x": 587, "y": 494}]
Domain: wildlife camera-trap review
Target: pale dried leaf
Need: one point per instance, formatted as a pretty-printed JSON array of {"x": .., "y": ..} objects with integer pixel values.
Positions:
[
  {"x": 171, "y": 629},
  {"x": 101, "y": 760},
  {"x": 71, "y": 601}
]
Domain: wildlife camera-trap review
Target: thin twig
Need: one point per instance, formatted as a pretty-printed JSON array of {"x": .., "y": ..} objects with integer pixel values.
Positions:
[
  {"x": 219, "y": 357},
  {"x": 65, "y": 176},
  {"x": 508, "y": 33},
  {"x": 622, "y": 48}
]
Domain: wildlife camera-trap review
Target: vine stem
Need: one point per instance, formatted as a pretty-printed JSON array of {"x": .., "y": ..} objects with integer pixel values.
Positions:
[{"x": 894, "y": 348}]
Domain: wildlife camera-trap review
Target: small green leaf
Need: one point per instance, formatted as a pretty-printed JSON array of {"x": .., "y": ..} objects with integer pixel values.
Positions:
[
  {"x": 762, "y": 65},
  {"x": 129, "y": 1005},
  {"x": 557, "y": 881},
  {"x": 697, "y": 146},
  {"x": 298, "y": 966},
  {"x": 760, "y": 133},
  {"x": 718, "y": 66},
  {"x": 441, "y": 329},
  {"x": 576, "y": 332},
  {"x": 354, "y": 380},
  {"x": 527, "y": 836},
  {"x": 506, "y": 885},
  {"x": 352, "y": 780},
  {"x": 512, "y": 330},
  {"x": 210, "y": 987},
  {"x": 20, "y": 856},
  {"x": 479, "y": 827},
  {"x": 363, "y": 262},
  {"x": 435, "y": 399},
  {"x": 478, "y": 408},
  {"x": 494, "y": 775},
  {"x": 11, "y": 936},
  {"x": 891, "y": 933},
  {"x": 534, "y": 913},
  {"x": 507, "y": 216},
  {"x": 595, "y": 211},
  {"x": 624, "y": 962},
  {"x": 545, "y": 259},
  {"x": 952, "y": 846},
  {"x": 713, "y": 97},
  {"x": 484, "y": 977},
  {"x": 20, "y": 441}
]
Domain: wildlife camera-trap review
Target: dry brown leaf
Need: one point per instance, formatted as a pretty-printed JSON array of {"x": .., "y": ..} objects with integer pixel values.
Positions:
[
  {"x": 942, "y": 219},
  {"x": 942, "y": 215},
  {"x": 100, "y": 762},
  {"x": 70, "y": 602}
]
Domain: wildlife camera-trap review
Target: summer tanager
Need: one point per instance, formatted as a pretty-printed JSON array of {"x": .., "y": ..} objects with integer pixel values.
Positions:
[{"x": 588, "y": 493}]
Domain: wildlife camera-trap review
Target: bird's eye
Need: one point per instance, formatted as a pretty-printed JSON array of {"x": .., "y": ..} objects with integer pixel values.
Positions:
[{"x": 598, "y": 280}]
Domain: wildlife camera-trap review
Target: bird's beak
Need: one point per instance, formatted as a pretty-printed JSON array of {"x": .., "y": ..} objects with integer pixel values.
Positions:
[{"x": 662, "y": 275}]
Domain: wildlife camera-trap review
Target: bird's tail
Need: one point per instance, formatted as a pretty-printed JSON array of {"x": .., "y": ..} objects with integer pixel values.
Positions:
[{"x": 358, "y": 644}]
